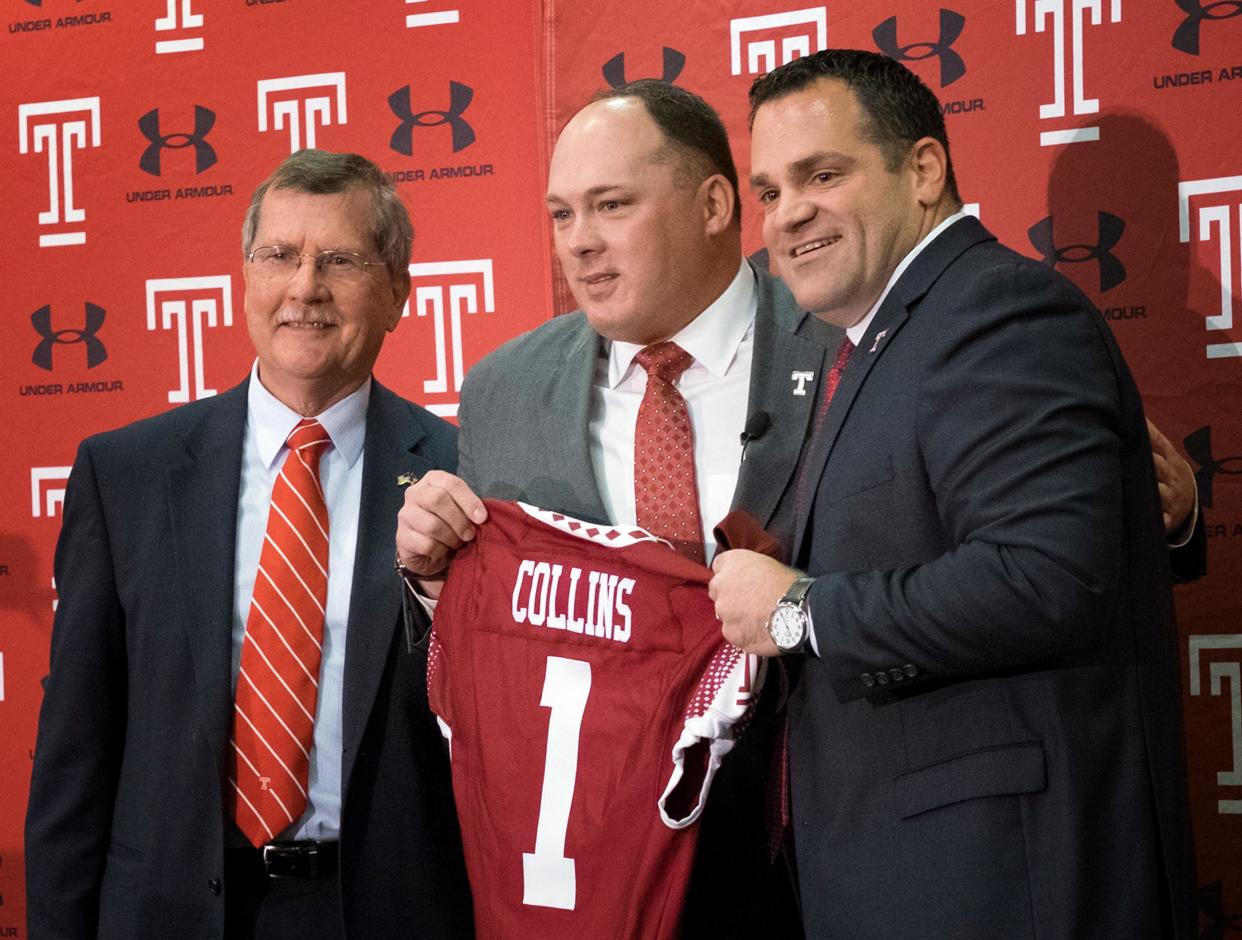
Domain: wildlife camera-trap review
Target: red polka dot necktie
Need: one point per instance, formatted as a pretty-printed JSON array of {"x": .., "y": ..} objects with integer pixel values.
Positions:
[
  {"x": 274, "y": 709},
  {"x": 666, "y": 495}
]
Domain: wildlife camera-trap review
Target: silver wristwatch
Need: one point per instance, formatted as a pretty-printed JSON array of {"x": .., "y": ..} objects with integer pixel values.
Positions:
[{"x": 790, "y": 622}]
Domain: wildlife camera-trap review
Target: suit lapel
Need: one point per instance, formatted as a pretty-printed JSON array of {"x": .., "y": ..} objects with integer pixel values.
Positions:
[
  {"x": 569, "y": 385},
  {"x": 202, "y": 500},
  {"x": 788, "y": 347},
  {"x": 391, "y": 448},
  {"x": 889, "y": 319}
]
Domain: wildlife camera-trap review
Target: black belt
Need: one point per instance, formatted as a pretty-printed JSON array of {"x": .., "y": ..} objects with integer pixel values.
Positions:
[{"x": 293, "y": 859}]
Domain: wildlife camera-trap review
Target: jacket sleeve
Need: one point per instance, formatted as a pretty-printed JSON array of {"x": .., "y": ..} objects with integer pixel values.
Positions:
[
  {"x": 1189, "y": 561},
  {"x": 81, "y": 731}
]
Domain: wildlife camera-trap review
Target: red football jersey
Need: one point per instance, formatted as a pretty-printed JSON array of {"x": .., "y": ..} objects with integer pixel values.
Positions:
[{"x": 588, "y": 696}]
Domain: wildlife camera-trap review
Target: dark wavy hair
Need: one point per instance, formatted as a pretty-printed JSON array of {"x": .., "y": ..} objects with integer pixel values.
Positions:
[{"x": 899, "y": 108}]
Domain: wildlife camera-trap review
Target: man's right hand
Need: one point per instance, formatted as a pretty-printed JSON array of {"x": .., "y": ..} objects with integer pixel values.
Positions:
[{"x": 438, "y": 518}]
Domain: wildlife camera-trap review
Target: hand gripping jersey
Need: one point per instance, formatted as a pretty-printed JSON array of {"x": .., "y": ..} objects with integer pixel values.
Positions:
[{"x": 588, "y": 697}]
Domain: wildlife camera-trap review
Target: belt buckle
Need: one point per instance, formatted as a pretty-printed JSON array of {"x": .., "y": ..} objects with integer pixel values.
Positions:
[{"x": 291, "y": 860}]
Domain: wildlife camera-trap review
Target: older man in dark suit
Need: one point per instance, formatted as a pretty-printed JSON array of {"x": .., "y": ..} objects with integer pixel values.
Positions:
[
  {"x": 235, "y": 739},
  {"x": 986, "y": 740}
]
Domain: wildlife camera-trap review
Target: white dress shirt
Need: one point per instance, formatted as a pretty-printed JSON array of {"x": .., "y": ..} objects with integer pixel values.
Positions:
[
  {"x": 716, "y": 387},
  {"x": 268, "y": 423},
  {"x": 859, "y": 329}
]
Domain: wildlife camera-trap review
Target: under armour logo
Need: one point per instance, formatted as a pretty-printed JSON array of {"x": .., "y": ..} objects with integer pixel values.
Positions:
[
  {"x": 1212, "y": 903},
  {"x": 460, "y": 97},
  {"x": 1111, "y": 228},
  {"x": 800, "y": 379},
  {"x": 1186, "y": 36},
  {"x": 96, "y": 352},
  {"x": 614, "y": 68},
  {"x": 951, "y": 65},
  {"x": 204, "y": 153},
  {"x": 1199, "y": 448}
]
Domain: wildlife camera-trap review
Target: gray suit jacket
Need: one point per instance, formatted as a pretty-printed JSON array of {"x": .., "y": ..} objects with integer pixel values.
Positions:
[
  {"x": 125, "y": 831},
  {"x": 524, "y": 410},
  {"x": 524, "y": 419}
]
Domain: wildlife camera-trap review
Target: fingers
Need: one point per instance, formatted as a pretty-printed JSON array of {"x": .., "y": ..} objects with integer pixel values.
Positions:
[
  {"x": 438, "y": 517},
  {"x": 1174, "y": 479},
  {"x": 450, "y": 496},
  {"x": 1164, "y": 467},
  {"x": 1159, "y": 443},
  {"x": 1167, "y": 500}
]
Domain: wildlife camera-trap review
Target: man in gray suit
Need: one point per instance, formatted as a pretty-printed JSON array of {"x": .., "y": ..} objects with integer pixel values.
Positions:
[{"x": 643, "y": 198}]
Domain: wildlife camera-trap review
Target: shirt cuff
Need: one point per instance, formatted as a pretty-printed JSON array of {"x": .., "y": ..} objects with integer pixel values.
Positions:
[
  {"x": 1181, "y": 537},
  {"x": 411, "y": 585}
]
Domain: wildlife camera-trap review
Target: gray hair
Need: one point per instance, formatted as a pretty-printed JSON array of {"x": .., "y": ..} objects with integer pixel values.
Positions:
[{"x": 321, "y": 171}]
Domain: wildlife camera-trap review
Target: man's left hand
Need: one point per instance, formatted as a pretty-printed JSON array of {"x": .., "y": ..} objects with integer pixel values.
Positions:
[
  {"x": 746, "y": 587},
  {"x": 1175, "y": 480}
]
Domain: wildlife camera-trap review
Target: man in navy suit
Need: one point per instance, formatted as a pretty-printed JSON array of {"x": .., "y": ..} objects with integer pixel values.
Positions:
[
  {"x": 131, "y": 828},
  {"x": 986, "y": 740}
]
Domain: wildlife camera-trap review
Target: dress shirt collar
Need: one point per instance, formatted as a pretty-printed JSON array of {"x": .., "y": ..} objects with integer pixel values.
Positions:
[
  {"x": 859, "y": 329},
  {"x": 272, "y": 420},
  {"x": 712, "y": 338}
]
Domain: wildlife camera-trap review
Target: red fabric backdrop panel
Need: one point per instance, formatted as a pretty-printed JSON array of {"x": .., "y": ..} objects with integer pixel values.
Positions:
[
  {"x": 131, "y": 137},
  {"x": 1098, "y": 136}
]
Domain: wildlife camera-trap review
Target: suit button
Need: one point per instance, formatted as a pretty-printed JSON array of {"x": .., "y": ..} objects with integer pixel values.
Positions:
[
  {"x": 910, "y": 670},
  {"x": 213, "y": 885},
  {"x": 868, "y": 680},
  {"x": 881, "y": 677},
  {"x": 897, "y": 674}
]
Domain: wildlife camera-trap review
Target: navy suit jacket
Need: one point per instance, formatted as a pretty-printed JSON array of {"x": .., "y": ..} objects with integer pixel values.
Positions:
[
  {"x": 125, "y": 831},
  {"x": 990, "y": 742}
]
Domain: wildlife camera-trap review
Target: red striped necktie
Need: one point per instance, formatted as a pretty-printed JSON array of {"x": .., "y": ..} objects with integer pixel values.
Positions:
[
  {"x": 274, "y": 713},
  {"x": 666, "y": 495}
]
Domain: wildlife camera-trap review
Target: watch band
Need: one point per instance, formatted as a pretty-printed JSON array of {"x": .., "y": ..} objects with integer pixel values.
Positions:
[{"x": 797, "y": 591}]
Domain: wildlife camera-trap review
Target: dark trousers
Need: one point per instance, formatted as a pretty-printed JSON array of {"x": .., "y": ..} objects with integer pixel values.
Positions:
[{"x": 257, "y": 907}]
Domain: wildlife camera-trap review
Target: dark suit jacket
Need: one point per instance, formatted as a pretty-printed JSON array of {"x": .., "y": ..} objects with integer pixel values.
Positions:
[
  {"x": 524, "y": 418},
  {"x": 990, "y": 743},
  {"x": 125, "y": 828},
  {"x": 1189, "y": 561}
]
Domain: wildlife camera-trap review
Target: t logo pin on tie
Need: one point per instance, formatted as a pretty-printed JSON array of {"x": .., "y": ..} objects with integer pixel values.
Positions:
[
  {"x": 876, "y": 345},
  {"x": 800, "y": 379}
]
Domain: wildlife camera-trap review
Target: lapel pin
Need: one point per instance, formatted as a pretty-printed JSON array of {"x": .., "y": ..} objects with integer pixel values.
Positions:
[
  {"x": 878, "y": 336},
  {"x": 800, "y": 379},
  {"x": 406, "y": 479}
]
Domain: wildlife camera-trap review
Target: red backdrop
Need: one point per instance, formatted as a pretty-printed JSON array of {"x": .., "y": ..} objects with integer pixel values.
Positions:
[{"x": 1099, "y": 135}]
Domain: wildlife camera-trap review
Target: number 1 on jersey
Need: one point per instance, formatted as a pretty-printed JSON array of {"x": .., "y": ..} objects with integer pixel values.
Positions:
[{"x": 548, "y": 877}]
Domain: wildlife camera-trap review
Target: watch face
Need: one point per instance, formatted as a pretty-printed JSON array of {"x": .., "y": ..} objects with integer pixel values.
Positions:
[{"x": 787, "y": 626}]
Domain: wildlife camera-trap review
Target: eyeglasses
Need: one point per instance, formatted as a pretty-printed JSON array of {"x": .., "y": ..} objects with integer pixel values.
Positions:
[{"x": 280, "y": 262}]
